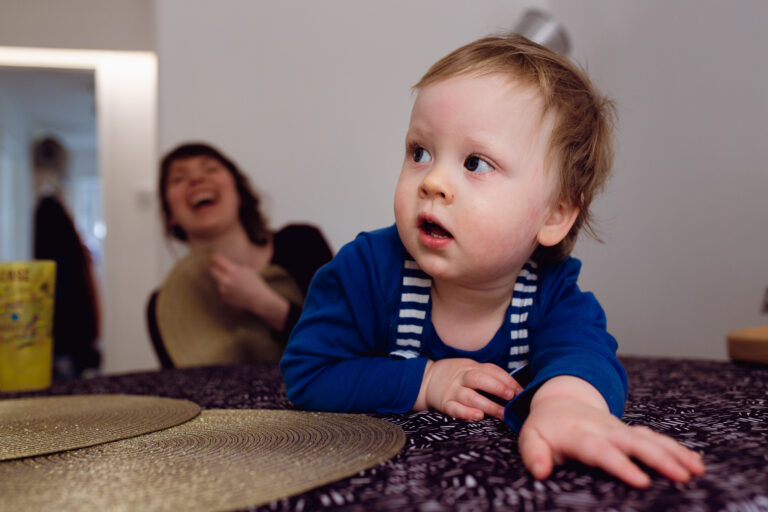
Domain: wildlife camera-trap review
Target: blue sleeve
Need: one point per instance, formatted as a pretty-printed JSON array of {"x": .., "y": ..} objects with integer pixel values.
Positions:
[
  {"x": 569, "y": 337},
  {"x": 337, "y": 358}
]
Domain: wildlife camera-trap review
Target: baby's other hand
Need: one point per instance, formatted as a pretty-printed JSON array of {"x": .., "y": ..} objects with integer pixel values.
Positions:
[
  {"x": 450, "y": 386},
  {"x": 561, "y": 426}
]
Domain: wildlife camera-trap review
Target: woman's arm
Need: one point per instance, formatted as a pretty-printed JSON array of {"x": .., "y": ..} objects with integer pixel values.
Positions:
[{"x": 242, "y": 287}]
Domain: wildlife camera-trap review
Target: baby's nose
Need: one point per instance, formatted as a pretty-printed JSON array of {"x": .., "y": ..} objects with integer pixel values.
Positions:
[{"x": 436, "y": 185}]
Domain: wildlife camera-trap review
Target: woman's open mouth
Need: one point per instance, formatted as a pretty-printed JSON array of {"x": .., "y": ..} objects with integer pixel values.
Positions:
[{"x": 202, "y": 200}]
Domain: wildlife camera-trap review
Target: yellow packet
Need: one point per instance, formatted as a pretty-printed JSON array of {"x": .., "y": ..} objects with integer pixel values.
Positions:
[{"x": 26, "y": 324}]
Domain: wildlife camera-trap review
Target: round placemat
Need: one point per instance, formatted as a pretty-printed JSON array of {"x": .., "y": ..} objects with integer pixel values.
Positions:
[
  {"x": 36, "y": 426},
  {"x": 221, "y": 460}
]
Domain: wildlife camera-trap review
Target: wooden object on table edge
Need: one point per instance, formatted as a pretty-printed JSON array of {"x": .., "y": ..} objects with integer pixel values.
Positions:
[{"x": 749, "y": 344}]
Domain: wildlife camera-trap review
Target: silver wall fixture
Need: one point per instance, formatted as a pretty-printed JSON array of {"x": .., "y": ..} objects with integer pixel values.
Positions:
[{"x": 541, "y": 27}]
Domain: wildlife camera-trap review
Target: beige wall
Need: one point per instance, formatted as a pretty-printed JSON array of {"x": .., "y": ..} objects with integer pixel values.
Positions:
[{"x": 83, "y": 24}]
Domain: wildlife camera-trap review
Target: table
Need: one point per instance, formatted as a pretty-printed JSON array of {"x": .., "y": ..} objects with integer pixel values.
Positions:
[{"x": 719, "y": 408}]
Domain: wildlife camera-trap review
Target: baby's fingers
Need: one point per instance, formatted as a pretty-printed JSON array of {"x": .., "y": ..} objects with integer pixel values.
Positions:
[
  {"x": 539, "y": 457},
  {"x": 502, "y": 376},
  {"x": 536, "y": 453},
  {"x": 457, "y": 409},
  {"x": 687, "y": 457},
  {"x": 473, "y": 399},
  {"x": 662, "y": 453},
  {"x": 605, "y": 455},
  {"x": 613, "y": 455},
  {"x": 498, "y": 384}
]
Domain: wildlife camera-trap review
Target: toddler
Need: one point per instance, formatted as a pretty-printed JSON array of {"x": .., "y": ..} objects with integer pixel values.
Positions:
[{"x": 469, "y": 304}]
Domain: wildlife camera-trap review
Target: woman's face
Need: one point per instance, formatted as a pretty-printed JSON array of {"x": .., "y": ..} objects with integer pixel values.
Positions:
[{"x": 202, "y": 197}]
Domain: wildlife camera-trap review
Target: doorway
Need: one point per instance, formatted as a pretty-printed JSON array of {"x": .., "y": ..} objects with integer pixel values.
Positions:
[
  {"x": 49, "y": 146},
  {"x": 123, "y": 219}
]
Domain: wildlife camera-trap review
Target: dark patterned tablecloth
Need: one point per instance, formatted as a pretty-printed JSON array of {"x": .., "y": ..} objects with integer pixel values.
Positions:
[{"x": 718, "y": 408}]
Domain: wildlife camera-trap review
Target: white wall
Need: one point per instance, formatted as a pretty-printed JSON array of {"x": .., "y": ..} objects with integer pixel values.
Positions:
[
  {"x": 126, "y": 95},
  {"x": 312, "y": 98},
  {"x": 686, "y": 215},
  {"x": 15, "y": 216}
]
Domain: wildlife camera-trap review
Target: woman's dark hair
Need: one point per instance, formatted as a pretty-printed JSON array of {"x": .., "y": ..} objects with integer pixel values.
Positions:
[{"x": 252, "y": 220}]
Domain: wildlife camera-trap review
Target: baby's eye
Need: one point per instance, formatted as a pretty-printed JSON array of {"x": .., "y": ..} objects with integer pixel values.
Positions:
[
  {"x": 477, "y": 164},
  {"x": 421, "y": 155}
]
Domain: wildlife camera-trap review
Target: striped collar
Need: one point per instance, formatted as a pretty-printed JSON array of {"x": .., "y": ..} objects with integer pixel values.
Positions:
[{"x": 415, "y": 301}]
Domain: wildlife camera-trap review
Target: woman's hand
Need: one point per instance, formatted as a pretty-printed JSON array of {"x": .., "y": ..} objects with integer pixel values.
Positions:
[
  {"x": 570, "y": 420},
  {"x": 242, "y": 287},
  {"x": 449, "y": 386}
]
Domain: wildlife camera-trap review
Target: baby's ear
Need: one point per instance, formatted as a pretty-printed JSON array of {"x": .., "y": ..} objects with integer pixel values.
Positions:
[{"x": 558, "y": 223}]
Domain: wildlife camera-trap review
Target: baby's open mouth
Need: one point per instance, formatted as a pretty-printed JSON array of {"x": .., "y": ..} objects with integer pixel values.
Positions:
[{"x": 434, "y": 230}]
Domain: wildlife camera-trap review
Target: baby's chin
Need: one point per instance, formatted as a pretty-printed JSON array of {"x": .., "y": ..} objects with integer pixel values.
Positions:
[{"x": 435, "y": 264}]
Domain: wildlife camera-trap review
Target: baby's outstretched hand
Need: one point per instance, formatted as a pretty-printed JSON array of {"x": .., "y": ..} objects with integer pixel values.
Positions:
[
  {"x": 450, "y": 386},
  {"x": 569, "y": 420}
]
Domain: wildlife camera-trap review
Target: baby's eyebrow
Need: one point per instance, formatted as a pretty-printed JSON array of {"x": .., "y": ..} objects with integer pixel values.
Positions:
[
  {"x": 414, "y": 133},
  {"x": 477, "y": 141},
  {"x": 480, "y": 145},
  {"x": 419, "y": 127}
]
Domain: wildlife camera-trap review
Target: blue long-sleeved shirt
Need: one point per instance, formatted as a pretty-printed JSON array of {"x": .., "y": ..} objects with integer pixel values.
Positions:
[{"x": 337, "y": 358}]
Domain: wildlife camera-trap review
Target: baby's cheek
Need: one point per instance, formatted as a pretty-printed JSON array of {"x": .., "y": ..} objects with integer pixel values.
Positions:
[
  {"x": 512, "y": 243},
  {"x": 401, "y": 210},
  {"x": 537, "y": 216},
  {"x": 401, "y": 198},
  {"x": 535, "y": 213}
]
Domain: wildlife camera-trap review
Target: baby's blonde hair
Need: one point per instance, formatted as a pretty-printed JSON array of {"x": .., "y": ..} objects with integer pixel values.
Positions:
[{"x": 581, "y": 145}]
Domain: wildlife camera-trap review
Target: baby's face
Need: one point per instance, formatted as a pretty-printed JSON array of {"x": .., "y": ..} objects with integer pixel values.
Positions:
[{"x": 473, "y": 192}]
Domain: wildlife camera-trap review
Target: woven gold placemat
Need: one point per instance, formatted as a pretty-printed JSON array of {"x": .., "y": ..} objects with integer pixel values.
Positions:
[
  {"x": 221, "y": 460},
  {"x": 36, "y": 426}
]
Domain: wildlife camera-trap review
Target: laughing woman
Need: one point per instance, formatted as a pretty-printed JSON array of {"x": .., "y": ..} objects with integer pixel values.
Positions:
[{"x": 238, "y": 292}]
